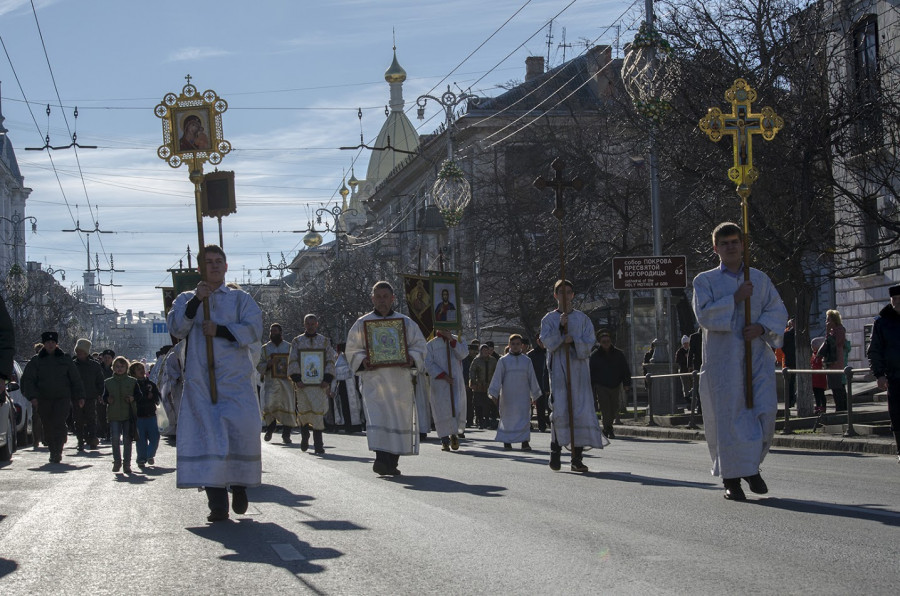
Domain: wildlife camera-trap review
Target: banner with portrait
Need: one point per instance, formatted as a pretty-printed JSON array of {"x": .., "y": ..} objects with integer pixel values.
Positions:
[
  {"x": 419, "y": 301},
  {"x": 446, "y": 311}
]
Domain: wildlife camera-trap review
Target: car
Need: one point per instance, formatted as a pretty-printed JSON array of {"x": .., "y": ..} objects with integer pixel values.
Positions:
[
  {"x": 7, "y": 424},
  {"x": 23, "y": 409}
]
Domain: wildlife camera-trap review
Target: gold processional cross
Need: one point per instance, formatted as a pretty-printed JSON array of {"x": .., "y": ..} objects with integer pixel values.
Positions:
[{"x": 742, "y": 124}]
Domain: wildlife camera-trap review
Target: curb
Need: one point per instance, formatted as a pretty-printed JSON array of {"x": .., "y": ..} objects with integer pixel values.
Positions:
[{"x": 801, "y": 441}]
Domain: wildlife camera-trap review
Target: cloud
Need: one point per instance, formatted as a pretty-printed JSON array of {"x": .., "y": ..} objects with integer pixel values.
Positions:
[{"x": 196, "y": 53}]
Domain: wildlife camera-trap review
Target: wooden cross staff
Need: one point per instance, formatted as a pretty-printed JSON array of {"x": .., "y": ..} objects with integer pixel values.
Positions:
[
  {"x": 559, "y": 185},
  {"x": 742, "y": 124}
]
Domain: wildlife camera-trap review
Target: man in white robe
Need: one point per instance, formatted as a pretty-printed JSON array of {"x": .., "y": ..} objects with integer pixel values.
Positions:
[
  {"x": 388, "y": 392},
  {"x": 448, "y": 390},
  {"x": 570, "y": 330},
  {"x": 218, "y": 444},
  {"x": 514, "y": 387},
  {"x": 172, "y": 386},
  {"x": 738, "y": 437},
  {"x": 312, "y": 399},
  {"x": 278, "y": 397},
  {"x": 347, "y": 404}
]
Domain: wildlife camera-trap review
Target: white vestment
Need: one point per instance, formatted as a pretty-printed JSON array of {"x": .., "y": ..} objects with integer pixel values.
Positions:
[
  {"x": 344, "y": 377},
  {"x": 172, "y": 385},
  {"x": 738, "y": 437},
  {"x": 277, "y": 398},
  {"x": 447, "y": 421},
  {"x": 219, "y": 444},
  {"x": 587, "y": 427},
  {"x": 388, "y": 393},
  {"x": 312, "y": 400},
  {"x": 517, "y": 386}
]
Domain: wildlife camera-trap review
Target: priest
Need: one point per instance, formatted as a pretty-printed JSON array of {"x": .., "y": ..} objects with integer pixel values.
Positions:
[
  {"x": 388, "y": 391},
  {"x": 738, "y": 437},
  {"x": 278, "y": 397}
]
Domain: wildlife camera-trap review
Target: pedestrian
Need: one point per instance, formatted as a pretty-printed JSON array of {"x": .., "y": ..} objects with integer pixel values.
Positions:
[
  {"x": 480, "y": 374},
  {"x": 538, "y": 357},
  {"x": 106, "y": 360},
  {"x": 218, "y": 443},
  {"x": 443, "y": 363},
  {"x": 681, "y": 362},
  {"x": 514, "y": 387},
  {"x": 92, "y": 380},
  {"x": 884, "y": 358},
  {"x": 121, "y": 391},
  {"x": 172, "y": 386},
  {"x": 569, "y": 336},
  {"x": 738, "y": 438},
  {"x": 833, "y": 353},
  {"x": 279, "y": 395},
  {"x": 348, "y": 408},
  {"x": 312, "y": 398},
  {"x": 388, "y": 391},
  {"x": 52, "y": 383},
  {"x": 609, "y": 374},
  {"x": 819, "y": 381},
  {"x": 470, "y": 396},
  {"x": 145, "y": 410}
]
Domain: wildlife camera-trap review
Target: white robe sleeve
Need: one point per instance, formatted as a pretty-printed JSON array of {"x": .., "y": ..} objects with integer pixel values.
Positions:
[
  {"x": 712, "y": 314},
  {"x": 497, "y": 379}
]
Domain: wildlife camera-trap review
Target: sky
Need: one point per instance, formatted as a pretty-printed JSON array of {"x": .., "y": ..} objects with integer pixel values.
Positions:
[{"x": 295, "y": 74}]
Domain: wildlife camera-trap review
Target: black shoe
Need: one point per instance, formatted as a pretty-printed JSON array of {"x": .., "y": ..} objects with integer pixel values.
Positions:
[
  {"x": 422, "y": 437},
  {"x": 319, "y": 451},
  {"x": 507, "y": 446},
  {"x": 394, "y": 472},
  {"x": 733, "y": 490},
  {"x": 555, "y": 463},
  {"x": 610, "y": 434},
  {"x": 127, "y": 468},
  {"x": 757, "y": 484},
  {"x": 381, "y": 468},
  {"x": 286, "y": 439},
  {"x": 304, "y": 442},
  {"x": 217, "y": 516},
  {"x": 526, "y": 446},
  {"x": 268, "y": 436},
  {"x": 445, "y": 444},
  {"x": 578, "y": 466},
  {"x": 239, "y": 501},
  {"x": 461, "y": 435},
  {"x": 454, "y": 442}
]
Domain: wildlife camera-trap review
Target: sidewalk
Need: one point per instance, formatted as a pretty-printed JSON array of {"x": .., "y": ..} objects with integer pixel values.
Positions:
[{"x": 818, "y": 441}]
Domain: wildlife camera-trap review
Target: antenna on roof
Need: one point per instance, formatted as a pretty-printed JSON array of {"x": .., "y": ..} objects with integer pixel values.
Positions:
[{"x": 549, "y": 44}]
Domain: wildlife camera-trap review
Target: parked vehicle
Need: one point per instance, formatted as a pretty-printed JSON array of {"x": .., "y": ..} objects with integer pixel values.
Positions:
[
  {"x": 23, "y": 410},
  {"x": 7, "y": 425}
]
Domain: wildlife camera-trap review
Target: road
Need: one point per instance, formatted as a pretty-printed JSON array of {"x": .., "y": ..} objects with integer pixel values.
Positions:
[{"x": 647, "y": 519}]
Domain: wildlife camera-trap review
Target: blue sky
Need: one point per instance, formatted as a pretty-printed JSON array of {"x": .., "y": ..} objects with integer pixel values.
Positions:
[{"x": 294, "y": 74}]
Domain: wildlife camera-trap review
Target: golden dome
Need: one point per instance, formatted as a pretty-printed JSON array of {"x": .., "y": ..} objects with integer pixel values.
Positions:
[
  {"x": 344, "y": 191},
  {"x": 395, "y": 74},
  {"x": 353, "y": 181}
]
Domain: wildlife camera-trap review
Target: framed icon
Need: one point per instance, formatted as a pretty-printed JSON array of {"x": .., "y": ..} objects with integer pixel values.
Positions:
[
  {"x": 386, "y": 342},
  {"x": 312, "y": 366},
  {"x": 446, "y": 308},
  {"x": 279, "y": 366}
]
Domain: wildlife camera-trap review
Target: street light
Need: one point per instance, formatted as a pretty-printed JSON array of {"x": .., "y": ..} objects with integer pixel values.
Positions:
[
  {"x": 313, "y": 238},
  {"x": 644, "y": 76}
]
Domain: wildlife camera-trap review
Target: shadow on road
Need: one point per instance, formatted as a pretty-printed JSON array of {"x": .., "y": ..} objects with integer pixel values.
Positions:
[
  {"x": 7, "y": 566},
  {"x": 254, "y": 542},
  {"x": 445, "y": 485},
  {"x": 61, "y": 468},
  {"x": 821, "y": 453},
  {"x": 866, "y": 512},
  {"x": 269, "y": 493},
  {"x": 648, "y": 481},
  {"x": 332, "y": 456}
]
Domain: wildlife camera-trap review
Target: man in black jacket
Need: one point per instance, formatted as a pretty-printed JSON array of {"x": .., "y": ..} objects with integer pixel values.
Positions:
[
  {"x": 538, "y": 356},
  {"x": 884, "y": 358},
  {"x": 52, "y": 383},
  {"x": 609, "y": 373},
  {"x": 86, "y": 410}
]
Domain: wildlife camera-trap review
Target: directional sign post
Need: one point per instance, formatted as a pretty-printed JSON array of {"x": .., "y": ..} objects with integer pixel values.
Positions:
[{"x": 649, "y": 273}]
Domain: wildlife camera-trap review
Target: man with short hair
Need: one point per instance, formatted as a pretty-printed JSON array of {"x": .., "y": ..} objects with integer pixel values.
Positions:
[
  {"x": 279, "y": 397},
  {"x": 106, "y": 358},
  {"x": 86, "y": 409},
  {"x": 388, "y": 391},
  {"x": 538, "y": 357},
  {"x": 569, "y": 336},
  {"x": 448, "y": 396},
  {"x": 480, "y": 374},
  {"x": 218, "y": 443},
  {"x": 884, "y": 358},
  {"x": 470, "y": 396},
  {"x": 312, "y": 398},
  {"x": 52, "y": 383},
  {"x": 609, "y": 374},
  {"x": 738, "y": 437}
]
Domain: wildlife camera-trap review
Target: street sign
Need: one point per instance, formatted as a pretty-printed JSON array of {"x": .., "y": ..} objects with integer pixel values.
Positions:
[{"x": 648, "y": 273}]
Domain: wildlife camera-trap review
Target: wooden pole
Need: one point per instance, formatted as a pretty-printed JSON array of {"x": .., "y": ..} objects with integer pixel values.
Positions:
[
  {"x": 196, "y": 177},
  {"x": 744, "y": 192}
]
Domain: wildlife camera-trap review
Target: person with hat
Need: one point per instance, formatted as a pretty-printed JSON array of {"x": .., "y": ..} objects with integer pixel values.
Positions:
[
  {"x": 52, "y": 383},
  {"x": 681, "y": 361},
  {"x": 884, "y": 358},
  {"x": 86, "y": 410}
]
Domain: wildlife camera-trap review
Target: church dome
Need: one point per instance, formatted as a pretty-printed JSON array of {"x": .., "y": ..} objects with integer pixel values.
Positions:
[{"x": 395, "y": 73}]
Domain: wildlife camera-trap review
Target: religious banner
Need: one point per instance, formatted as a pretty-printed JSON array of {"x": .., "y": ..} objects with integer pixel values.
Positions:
[
  {"x": 279, "y": 366},
  {"x": 446, "y": 311},
  {"x": 184, "y": 280},
  {"x": 419, "y": 301},
  {"x": 312, "y": 366},
  {"x": 168, "y": 299}
]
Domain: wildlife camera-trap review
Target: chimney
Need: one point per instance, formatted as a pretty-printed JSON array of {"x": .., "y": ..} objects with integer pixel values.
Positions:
[{"x": 534, "y": 67}]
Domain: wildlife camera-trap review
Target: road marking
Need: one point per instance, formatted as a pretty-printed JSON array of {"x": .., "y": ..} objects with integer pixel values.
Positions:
[{"x": 288, "y": 552}]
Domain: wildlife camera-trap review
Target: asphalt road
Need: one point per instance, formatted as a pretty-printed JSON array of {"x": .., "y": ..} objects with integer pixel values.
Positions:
[{"x": 647, "y": 519}]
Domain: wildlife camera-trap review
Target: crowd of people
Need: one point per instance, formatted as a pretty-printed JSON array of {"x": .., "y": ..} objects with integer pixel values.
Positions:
[{"x": 220, "y": 387}]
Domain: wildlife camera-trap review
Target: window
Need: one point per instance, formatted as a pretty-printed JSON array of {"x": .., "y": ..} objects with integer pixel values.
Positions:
[{"x": 867, "y": 87}]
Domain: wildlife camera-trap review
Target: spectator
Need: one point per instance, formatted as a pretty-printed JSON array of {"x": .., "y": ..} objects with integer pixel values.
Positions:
[{"x": 609, "y": 374}]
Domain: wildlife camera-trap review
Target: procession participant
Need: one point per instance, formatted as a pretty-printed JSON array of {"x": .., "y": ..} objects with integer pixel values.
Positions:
[
  {"x": 172, "y": 386},
  {"x": 51, "y": 381},
  {"x": 120, "y": 393},
  {"x": 738, "y": 437},
  {"x": 218, "y": 443},
  {"x": 86, "y": 410},
  {"x": 448, "y": 394},
  {"x": 388, "y": 391},
  {"x": 884, "y": 358},
  {"x": 278, "y": 397},
  {"x": 561, "y": 329},
  {"x": 514, "y": 388},
  {"x": 312, "y": 400},
  {"x": 348, "y": 408}
]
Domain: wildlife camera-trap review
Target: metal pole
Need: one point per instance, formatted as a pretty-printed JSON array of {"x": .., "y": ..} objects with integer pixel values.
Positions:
[
  {"x": 695, "y": 396},
  {"x": 648, "y": 381},
  {"x": 786, "y": 384},
  {"x": 848, "y": 372},
  {"x": 477, "y": 301},
  {"x": 633, "y": 351}
]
